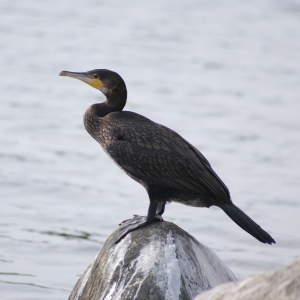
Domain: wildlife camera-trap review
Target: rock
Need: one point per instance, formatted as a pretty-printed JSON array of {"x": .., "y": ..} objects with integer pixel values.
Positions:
[
  {"x": 282, "y": 285},
  {"x": 160, "y": 261}
]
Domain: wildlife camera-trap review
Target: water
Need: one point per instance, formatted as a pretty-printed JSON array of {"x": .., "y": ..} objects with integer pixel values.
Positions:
[{"x": 225, "y": 75}]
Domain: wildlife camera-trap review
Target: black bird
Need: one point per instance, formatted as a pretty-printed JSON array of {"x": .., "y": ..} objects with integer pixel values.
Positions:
[{"x": 165, "y": 164}]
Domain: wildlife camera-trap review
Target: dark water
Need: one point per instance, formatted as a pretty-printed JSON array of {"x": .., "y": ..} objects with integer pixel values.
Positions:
[{"x": 225, "y": 75}]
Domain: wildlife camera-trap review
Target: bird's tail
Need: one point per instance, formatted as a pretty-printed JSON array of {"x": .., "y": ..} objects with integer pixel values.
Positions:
[{"x": 245, "y": 222}]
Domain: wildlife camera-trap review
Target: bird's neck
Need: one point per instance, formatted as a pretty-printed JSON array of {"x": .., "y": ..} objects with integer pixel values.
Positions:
[
  {"x": 93, "y": 115},
  {"x": 99, "y": 110},
  {"x": 115, "y": 101}
]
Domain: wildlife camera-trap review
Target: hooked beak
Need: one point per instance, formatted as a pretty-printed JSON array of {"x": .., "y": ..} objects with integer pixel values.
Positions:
[{"x": 83, "y": 76}]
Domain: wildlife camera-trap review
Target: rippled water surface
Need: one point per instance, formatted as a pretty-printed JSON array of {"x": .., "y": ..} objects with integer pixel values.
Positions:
[{"x": 224, "y": 74}]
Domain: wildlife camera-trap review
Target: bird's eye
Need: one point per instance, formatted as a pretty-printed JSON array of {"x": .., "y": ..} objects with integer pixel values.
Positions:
[{"x": 95, "y": 76}]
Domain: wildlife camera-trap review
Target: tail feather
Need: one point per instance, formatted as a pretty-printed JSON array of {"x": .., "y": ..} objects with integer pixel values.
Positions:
[{"x": 246, "y": 223}]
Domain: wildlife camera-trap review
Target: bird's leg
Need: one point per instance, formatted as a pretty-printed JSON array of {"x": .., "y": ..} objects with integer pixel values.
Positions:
[
  {"x": 138, "y": 221},
  {"x": 160, "y": 208}
]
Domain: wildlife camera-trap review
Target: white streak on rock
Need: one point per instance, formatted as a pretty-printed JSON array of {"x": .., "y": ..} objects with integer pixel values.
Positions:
[
  {"x": 111, "y": 291},
  {"x": 173, "y": 271},
  {"x": 116, "y": 259},
  {"x": 84, "y": 281},
  {"x": 145, "y": 262}
]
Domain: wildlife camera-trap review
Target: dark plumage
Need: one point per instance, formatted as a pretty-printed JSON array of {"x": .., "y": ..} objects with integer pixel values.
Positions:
[{"x": 169, "y": 167}]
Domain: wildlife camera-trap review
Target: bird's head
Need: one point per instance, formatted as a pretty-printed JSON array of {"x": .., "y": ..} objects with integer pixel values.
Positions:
[{"x": 108, "y": 82}]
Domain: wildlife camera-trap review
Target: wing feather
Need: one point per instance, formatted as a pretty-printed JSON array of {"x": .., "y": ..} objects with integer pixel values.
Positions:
[{"x": 157, "y": 155}]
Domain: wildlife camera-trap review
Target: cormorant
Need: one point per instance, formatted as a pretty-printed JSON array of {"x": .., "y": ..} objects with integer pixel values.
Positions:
[{"x": 165, "y": 164}]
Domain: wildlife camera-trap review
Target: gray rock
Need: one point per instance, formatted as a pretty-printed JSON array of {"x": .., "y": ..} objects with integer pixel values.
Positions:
[
  {"x": 160, "y": 261},
  {"x": 282, "y": 285}
]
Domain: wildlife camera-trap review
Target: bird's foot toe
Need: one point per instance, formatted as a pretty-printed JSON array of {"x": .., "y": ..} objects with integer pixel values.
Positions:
[
  {"x": 130, "y": 225},
  {"x": 130, "y": 219}
]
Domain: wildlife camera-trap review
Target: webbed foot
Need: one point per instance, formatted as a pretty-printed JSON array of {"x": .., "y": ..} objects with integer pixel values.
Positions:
[{"x": 135, "y": 223}]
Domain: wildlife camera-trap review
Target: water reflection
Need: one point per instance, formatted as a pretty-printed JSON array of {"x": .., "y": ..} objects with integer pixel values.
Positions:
[{"x": 77, "y": 235}]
